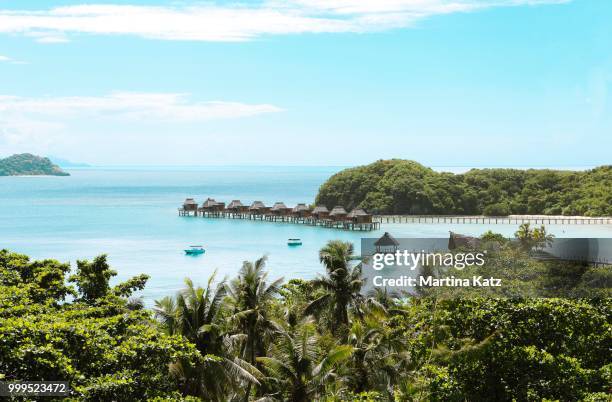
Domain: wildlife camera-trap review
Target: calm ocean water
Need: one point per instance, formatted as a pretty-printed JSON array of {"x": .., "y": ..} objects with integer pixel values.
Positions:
[{"x": 131, "y": 214}]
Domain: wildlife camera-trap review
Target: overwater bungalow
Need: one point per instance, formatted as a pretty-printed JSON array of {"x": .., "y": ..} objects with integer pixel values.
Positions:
[
  {"x": 190, "y": 205},
  {"x": 300, "y": 211},
  {"x": 210, "y": 205},
  {"x": 280, "y": 209},
  {"x": 386, "y": 244},
  {"x": 320, "y": 212},
  {"x": 338, "y": 213},
  {"x": 236, "y": 207},
  {"x": 258, "y": 208},
  {"x": 358, "y": 215},
  {"x": 279, "y": 212}
]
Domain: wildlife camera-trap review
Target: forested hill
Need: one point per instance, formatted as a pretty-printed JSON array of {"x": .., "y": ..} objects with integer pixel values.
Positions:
[
  {"x": 406, "y": 187},
  {"x": 28, "y": 164}
]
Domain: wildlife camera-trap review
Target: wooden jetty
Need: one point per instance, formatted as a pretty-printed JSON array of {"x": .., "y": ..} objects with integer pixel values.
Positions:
[
  {"x": 491, "y": 220},
  {"x": 338, "y": 218}
]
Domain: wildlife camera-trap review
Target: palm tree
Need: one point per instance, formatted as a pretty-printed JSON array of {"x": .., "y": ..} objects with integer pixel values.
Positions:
[
  {"x": 379, "y": 358},
  {"x": 196, "y": 314},
  {"x": 541, "y": 238},
  {"x": 524, "y": 234},
  {"x": 251, "y": 297},
  {"x": 297, "y": 366},
  {"x": 342, "y": 285}
]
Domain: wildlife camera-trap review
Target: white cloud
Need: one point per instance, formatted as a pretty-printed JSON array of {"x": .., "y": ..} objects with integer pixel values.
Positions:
[
  {"x": 129, "y": 105},
  {"x": 235, "y": 22},
  {"x": 47, "y": 120},
  {"x": 6, "y": 59}
]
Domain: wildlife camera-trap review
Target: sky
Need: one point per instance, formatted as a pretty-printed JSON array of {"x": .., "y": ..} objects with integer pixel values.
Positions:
[{"x": 308, "y": 82}]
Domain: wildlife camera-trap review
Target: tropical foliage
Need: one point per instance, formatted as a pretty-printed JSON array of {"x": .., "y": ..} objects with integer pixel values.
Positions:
[
  {"x": 255, "y": 339},
  {"x": 406, "y": 187},
  {"x": 28, "y": 164}
]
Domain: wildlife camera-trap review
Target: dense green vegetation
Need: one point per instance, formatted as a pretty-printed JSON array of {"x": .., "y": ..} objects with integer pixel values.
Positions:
[
  {"x": 255, "y": 339},
  {"x": 28, "y": 164},
  {"x": 406, "y": 187}
]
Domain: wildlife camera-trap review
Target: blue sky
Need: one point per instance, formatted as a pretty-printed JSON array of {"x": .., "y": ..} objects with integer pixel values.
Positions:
[{"x": 308, "y": 82}]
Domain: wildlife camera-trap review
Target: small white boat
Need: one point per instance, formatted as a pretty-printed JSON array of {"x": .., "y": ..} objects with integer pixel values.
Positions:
[
  {"x": 294, "y": 242},
  {"x": 195, "y": 250}
]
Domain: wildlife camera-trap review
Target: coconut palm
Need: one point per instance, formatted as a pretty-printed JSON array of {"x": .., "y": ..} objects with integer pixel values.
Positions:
[
  {"x": 524, "y": 234},
  {"x": 297, "y": 367},
  {"x": 341, "y": 286},
  {"x": 378, "y": 357},
  {"x": 541, "y": 238},
  {"x": 251, "y": 297},
  {"x": 196, "y": 314}
]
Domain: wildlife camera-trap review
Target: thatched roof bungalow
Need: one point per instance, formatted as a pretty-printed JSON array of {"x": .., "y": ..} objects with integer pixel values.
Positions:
[
  {"x": 338, "y": 213},
  {"x": 456, "y": 240},
  {"x": 386, "y": 244},
  {"x": 236, "y": 206},
  {"x": 190, "y": 205},
  {"x": 358, "y": 215},
  {"x": 320, "y": 212},
  {"x": 279, "y": 208},
  {"x": 210, "y": 205},
  {"x": 300, "y": 210},
  {"x": 258, "y": 208}
]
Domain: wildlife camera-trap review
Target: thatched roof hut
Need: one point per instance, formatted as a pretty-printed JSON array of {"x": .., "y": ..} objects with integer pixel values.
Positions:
[
  {"x": 300, "y": 210},
  {"x": 338, "y": 213},
  {"x": 258, "y": 207},
  {"x": 190, "y": 205},
  {"x": 358, "y": 215},
  {"x": 386, "y": 244},
  {"x": 209, "y": 203},
  {"x": 279, "y": 208},
  {"x": 456, "y": 240},
  {"x": 320, "y": 212},
  {"x": 236, "y": 205}
]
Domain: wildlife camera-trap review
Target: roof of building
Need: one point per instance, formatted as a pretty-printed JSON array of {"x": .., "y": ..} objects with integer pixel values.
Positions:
[
  {"x": 300, "y": 207},
  {"x": 456, "y": 240},
  {"x": 357, "y": 212},
  {"x": 338, "y": 210},
  {"x": 320, "y": 209},
  {"x": 235, "y": 204},
  {"x": 278, "y": 206},
  {"x": 386, "y": 240},
  {"x": 190, "y": 201},
  {"x": 209, "y": 203},
  {"x": 257, "y": 205}
]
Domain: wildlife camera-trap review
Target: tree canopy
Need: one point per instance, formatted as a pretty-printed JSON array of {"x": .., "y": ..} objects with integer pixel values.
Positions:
[{"x": 406, "y": 187}]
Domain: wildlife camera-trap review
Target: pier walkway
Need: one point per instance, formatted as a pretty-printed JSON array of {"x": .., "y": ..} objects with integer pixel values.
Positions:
[{"x": 490, "y": 220}]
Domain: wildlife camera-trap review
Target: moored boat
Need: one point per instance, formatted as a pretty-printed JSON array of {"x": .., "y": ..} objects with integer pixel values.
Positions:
[
  {"x": 195, "y": 250},
  {"x": 294, "y": 242}
]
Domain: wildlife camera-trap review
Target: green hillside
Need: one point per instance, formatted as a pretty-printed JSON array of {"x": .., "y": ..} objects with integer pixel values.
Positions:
[
  {"x": 407, "y": 187},
  {"x": 28, "y": 164}
]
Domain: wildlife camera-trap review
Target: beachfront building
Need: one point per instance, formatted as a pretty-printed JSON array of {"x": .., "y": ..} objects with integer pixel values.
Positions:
[
  {"x": 386, "y": 244},
  {"x": 320, "y": 212},
  {"x": 189, "y": 206},
  {"x": 300, "y": 211},
  {"x": 236, "y": 207},
  {"x": 338, "y": 213},
  {"x": 280, "y": 209},
  {"x": 210, "y": 207},
  {"x": 258, "y": 209},
  {"x": 358, "y": 215}
]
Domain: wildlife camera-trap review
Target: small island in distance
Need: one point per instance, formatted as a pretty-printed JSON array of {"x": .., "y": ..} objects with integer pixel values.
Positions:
[{"x": 30, "y": 165}]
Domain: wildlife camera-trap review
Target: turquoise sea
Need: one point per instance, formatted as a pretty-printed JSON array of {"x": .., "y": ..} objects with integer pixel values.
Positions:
[{"x": 131, "y": 214}]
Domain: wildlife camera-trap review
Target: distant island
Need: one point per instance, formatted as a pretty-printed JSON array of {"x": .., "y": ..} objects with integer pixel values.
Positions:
[
  {"x": 65, "y": 163},
  {"x": 28, "y": 164},
  {"x": 406, "y": 187}
]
